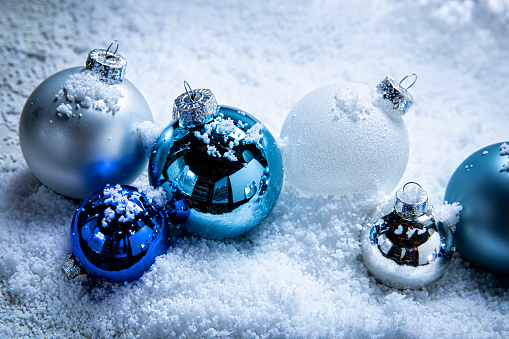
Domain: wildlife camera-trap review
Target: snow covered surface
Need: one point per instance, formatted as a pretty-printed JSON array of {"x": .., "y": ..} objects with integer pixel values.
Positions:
[{"x": 298, "y": 274}]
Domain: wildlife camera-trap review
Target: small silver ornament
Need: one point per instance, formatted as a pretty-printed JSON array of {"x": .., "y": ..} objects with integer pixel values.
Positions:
[
  {"x": 77, "y": 130},
  {"x": 406, "y": 248}
]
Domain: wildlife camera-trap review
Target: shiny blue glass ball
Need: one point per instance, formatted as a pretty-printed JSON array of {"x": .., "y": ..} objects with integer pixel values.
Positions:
[
  {"x": 229, "y": 167},
  {"x": 481, "y": 185},
  {"x": 116, "y": 234}
]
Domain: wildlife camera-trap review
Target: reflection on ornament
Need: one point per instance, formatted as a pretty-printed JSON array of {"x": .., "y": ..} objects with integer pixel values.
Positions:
[
  {"x": 118, "y": 231},
  {"x": 406, "y": 248},
  {"x": 224, "y": 159},
  {"x": 347, "y": 139},
  {"x": 77, "y": 128},
  {"x": 481, "y": 185}
]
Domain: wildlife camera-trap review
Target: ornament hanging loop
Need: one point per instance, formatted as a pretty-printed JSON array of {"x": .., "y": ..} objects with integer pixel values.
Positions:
[
  {"x": 110, "y": 54},
  {"x": 109, "y": 65},
  {"x": 189, "y": 90},
  {"x": 411, "y": 182},
  {"x": 406, "y": 88}
]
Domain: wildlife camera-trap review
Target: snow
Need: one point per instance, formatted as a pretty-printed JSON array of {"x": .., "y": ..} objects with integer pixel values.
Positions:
[
  {"x": 299, "y": 273},
  {"x": 86, "y": 89},
  {"x": 148, "y": 133}
]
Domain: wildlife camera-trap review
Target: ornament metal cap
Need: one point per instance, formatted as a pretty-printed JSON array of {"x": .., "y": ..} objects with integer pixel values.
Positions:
[
  {"x": 74, "y": 271},
  {"x": 398, "y": 95},
  {"x": 194, "y": 106},
  {"x": 411, "y": 201},
  {"x": 110, "y": 65}
]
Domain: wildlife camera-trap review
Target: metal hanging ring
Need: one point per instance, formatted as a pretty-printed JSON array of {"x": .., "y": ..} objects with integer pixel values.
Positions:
[
  {"x": 411, "y": 182},
  {"x": 409, "y": 75},
  {"x": 116, "y": 49},
  {"x": 189, "y": 90}
]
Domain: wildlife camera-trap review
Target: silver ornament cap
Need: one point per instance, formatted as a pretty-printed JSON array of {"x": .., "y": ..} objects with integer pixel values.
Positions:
[
  {"x": 411, "y": 201},
  {"x": 398, "y": 95},
  {"x": 194, "y": 106},
  {"x": 108, "y": 63}
]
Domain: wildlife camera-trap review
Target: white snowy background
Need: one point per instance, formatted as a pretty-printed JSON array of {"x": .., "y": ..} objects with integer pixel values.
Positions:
[{"x": 299, "y": 273}]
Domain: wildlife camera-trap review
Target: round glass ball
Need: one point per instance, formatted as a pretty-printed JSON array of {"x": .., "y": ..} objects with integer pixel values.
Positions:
[
  {"x": 229, "y": 168},
  {"x": 480, "y": 185},
  {"x": 76, "y": 147},
  {"x": 116, "y": 234}
]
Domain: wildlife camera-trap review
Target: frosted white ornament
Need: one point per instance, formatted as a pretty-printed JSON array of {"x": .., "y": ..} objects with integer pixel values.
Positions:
[{"x": 347, "y": 138}]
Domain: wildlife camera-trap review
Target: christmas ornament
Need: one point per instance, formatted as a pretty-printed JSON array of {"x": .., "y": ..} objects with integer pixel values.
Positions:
[
  {"x": 118, "y": 231},
  {"x": 77, "y": 128},
  {"x": 406, "y": 248},
  {"x": 347, "y": 139},
  {"x": 225, "y": 161},
  {"x": 481, "y": 185}
]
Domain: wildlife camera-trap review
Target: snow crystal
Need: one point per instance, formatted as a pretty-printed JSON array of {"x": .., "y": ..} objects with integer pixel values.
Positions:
[
  {"x": 253, "y": 135},
  {"x": 505, "y": 167},
  {"x": 109, "y": 215},
  {"x": 64, "y": 109},
  {"x": 230, "y": 155},
  {"x": 504, "y": 149},
  {"x": 148, "y": 133},
  {"x": 88, "y": 91},
  {"x": 228, "y": 129},
  {"x": 155, "y": 196},
  {"x": 205, "y": 137},
  {"x": 449, "y": 214},
  {"x": 354, "y": 103},
  {"x": 213, "y": 152},
  {"x": 126, "y": 203}
]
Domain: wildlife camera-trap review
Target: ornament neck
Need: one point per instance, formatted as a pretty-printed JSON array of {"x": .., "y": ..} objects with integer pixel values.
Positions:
[
  {"x": 194, "y": 107},
  {"x": 107, "y": 63},
  {"x": 399, "y": 99},
  {"x": 411, "y": 201}
]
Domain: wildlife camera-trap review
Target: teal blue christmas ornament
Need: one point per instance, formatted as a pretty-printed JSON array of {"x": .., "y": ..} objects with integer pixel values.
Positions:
[
  {"x": 226, "y": 162},
  {"x": 481, "y": 185},
  {"x": 118, "y": 231}
]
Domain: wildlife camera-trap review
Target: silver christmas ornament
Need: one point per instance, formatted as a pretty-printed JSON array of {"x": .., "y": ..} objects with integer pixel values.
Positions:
[
  {"x": 77, "y": 130},
  {"x": 348, "y": 138},
  {"x": 405, "y": 247},
  {"x": 226, "y": 162}
]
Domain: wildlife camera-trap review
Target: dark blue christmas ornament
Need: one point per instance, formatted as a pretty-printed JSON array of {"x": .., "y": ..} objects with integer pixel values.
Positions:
[
  {"x": 118, "y": 231},
  {"x": 481, "y": 185},
  {"x": 226, "y": 162}
]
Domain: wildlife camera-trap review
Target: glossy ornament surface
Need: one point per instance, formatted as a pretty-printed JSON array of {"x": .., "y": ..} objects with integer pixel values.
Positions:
[
  {"x": 117, "y": 233},
  {"x": 77, "y": 130},
  {"x": 405, "y": 247},
  {"x": 225, "y": 160},
  {"x": 481, "y": 185},
  {"x": 347, "y": 138}
]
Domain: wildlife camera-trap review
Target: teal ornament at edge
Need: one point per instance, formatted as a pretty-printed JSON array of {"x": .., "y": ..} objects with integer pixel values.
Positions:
[{"x": 481, "y": 185}]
